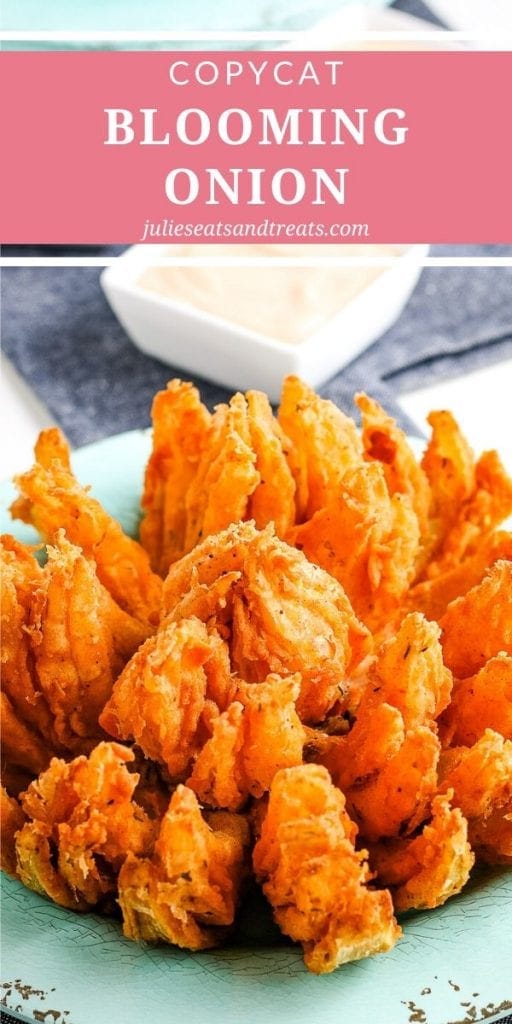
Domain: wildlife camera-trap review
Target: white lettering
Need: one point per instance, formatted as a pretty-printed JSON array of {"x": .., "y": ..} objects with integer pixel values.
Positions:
[
  {"x": 289, "y": 124},
  {"x": 191, "y": 186},
  {"x": 172, "y": 72},
  {"x": 183, "y": 130},
  {"x": 119, "y": 130},
  {"x": 218, "y": 179},
  {"x": 322, "y": 178},
  {"x": 342, "y": 120},
  {"x": 278, "y": 182},
  {"x": 207, "y": 72},
  {"x": 234, "y": 69},
  {"x": 309, "y": 74},
  {"x": 283, "y": 64},
  {"x": 397, "y": 134},
  {"x": 148, "y": 139},
  {"x": 245, "y": 126}
]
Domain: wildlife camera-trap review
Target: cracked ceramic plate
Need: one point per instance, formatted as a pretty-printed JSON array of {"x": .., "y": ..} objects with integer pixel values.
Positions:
[{"x": 451, "y": 967}]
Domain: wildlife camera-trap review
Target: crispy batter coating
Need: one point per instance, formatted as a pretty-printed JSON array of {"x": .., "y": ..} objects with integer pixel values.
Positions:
[
  {"x": 384, "y": 441},
  {"x": 489, "y": 506},
  {"x": 52, "y": 445},
  {"x": 478, "y": 626},
  {"x": 481, "y": 779},
  {"x": 259, "y": 734},
  {"x": 313, "y": 877},
  {"x": 81, "y": 824},
  {"x": 221, "y": 683},
  {"x": 243, "y": 472},
  {"x": 211, "y": 603},
  {"x": 449, "y": 465},
  {"x": 469, "y": 499},
  {"x": 424, "y": 872},
  {"x": 51, "y": 498},
  {"x": 480, "y": 776},
  {"x": 20, "y": 579},
  {"x": 74, "y": 628},
  {"x": 304, "y": 559},
  {"x": 186, "y": 892},
  {"x": 180, "y": 429},
  {"x": 28, "y": 735},
  {"x": 22, "y": 745},
  {"x": 291, "y": 616},
  {"x": 387, "y": 764},
  {"x": 432, "y": 596},
  {"x": 325, "y": 443},
  {"x": 491, "y": 837},
  {"x": 368, "y": 540},
  {"x": 410, "y": 675},
  {"x": 216, "y": 558},
  {"x": 64, "y": 642},
  {"x": 226, "y": 475},
  {"x": 159, "y": 698},
  {"x": 218, "y": 777},
  {"x": 25, "y": 567},
  {"x": 35, "y": 855},
  {"x": 482, "y": 701},
  {"x": 12, "y": 819},
  {"x": 388, "y": 773},
  {"x": 279, "y": 612},
  {"x": 273, "y": 501}
]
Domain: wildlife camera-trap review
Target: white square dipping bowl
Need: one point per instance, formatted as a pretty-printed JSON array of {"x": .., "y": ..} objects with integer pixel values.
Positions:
[{"x": 222, "y": 351}]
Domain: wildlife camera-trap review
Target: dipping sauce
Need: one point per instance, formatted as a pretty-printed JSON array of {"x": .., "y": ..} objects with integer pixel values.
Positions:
[{"x": 286, "y": 303}]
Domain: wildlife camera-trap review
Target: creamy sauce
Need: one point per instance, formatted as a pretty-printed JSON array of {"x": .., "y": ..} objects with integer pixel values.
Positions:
[{"x": 286, "y": 303}]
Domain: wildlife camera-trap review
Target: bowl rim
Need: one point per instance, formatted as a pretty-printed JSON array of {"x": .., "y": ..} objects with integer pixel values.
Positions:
[{"x": 120, "y": 277}]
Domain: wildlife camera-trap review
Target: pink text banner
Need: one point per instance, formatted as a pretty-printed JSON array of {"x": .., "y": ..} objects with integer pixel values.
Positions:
[{"x": 377, "y": 147}]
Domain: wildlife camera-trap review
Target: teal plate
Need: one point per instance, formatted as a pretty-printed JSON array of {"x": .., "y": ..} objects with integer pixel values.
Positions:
[{"x": 453, "y": 965}]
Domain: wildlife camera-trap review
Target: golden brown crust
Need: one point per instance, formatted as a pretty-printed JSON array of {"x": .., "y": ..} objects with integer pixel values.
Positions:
[
  {"x": 51, "y": 499},
  {"x": 385, "y": 442},
  {"x": 368, "y": 540},
  {"x": 481, "y": 779},
  {"x": 482, "y": 701},
  {"x": 469, "y": 499},
  {"x": 64, "y": 642},
  {"x": 180, "y": 428},
  {"x": 52, "y": 445},
  {"x": 313, "y": 877},
  {"x": 290, "y": 616},
  {"x": 12, "y": 819},
  {"x": 81, "y": 823},
  {"x": 273, "y": 501},
  {"x": 226, "y": 476},
  {"x": 432, "y": 596},
  {"x": 426, "y": 871},
  {"x": 478, "y": 626},
  {"x": 286, "y": 643},
  {"x": 324, "y": 444},
  {"x": 259, "y": 734},
  {"x": 185, "y": 893},
  {"x": 160, "y": 697},
  {"x": 387, "y": 764}
]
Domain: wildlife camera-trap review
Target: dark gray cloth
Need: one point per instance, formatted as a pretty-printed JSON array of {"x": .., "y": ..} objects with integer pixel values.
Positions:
[
  {"x": 64, "y": 340},
  {"x": 419, "y": 10}
]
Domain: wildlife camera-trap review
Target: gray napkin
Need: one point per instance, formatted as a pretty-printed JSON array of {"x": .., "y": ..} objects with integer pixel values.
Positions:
[
  {"x": 419, "y": 10},
  {"x": 64, "y": 340}
]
